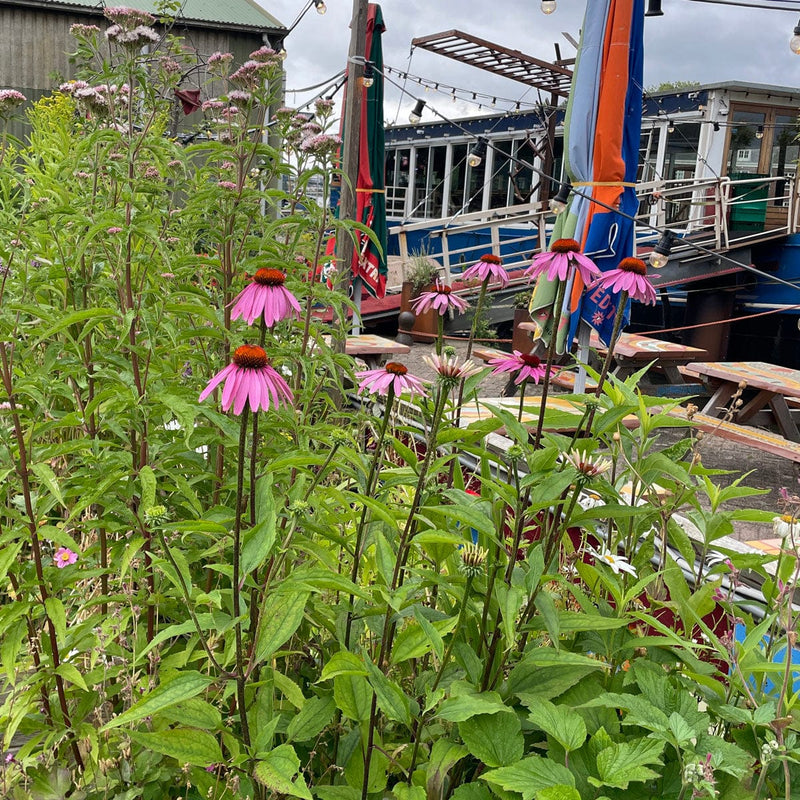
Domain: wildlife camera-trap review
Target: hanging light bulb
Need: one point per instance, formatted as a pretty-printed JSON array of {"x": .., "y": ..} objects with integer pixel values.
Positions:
[
  {"x": 320, "y": 6},
  {"x": 760, "y": 132},
  {"x": 494, "y": 102},
  {"x": 716, "y": 126},
  {"x": 453, "y": 95},
  {"x": 558, "y": 203},
  {"x": 369, "y": 75},
  {"x": 548, "y": 6},
  {"x": 794, "y": 42},
  {"x": 654, "y": 9},
  {"x": 660, "y": 255},
  {"x": 670, "y": 126},
  {"x": 477, "y": 153},
  {"x": 416, "y": 114}
]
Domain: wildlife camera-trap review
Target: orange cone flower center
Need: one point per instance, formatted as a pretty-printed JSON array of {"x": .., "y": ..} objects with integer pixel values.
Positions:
[
  {"x": 633, "y": 265},
  {"x": 395, "y": 368},
  {"x": 491, "y": 258},
  {"x": 565, "y": 246},
  {"x": 250, "y": 356},
  {"x": 444, "y": 289},
  {"x": 269, "y": 277},
  {"x": 530, "y": 360}
]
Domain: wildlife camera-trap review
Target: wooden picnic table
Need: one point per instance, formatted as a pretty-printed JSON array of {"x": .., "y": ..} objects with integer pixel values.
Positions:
[
  {"x": 773, "y": 385},
  {"x": 372, "y": 349}
]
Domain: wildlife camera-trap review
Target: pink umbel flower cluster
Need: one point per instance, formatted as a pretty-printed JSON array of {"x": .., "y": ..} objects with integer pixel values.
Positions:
[
  {"x": 86, "y": 31},
  {"x": 128, "y": 17},
  {"x": 441, "y": 300},
  {"x": 252, "y": 74},
  {"x": 266, "y": 55},
  {"x": 527, "y": 366},
  {"x": 133, "y": 38},
  {"x": 321, "y": 144},
  {"x": 630, "y": 277},
  {"x": 250, "y": 380},
  {"x": 392, "y": 376},
  {"x": 266, "y": 297},
  {"x": 489, "y": 267},
  {"x": 219, "y": 59},
  {"x": 10, "y": 99},
  {"x": 563, "y": 259}
]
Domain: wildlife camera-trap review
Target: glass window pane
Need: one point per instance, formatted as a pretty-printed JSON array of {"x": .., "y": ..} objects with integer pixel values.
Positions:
[
  {"x": 457, "y": 176},
  {"x": 521, "y": 175},
  {"x": 498, "y": 197},
  {"x": 745, "y": 146},
  {"x": 420, "y": 183},
  {"x": 785, "y": 153},
  {"x": 436, "y": 181}
]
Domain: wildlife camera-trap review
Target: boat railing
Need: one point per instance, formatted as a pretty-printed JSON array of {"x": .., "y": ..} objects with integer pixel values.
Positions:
[{"x": 716, "y": 212}]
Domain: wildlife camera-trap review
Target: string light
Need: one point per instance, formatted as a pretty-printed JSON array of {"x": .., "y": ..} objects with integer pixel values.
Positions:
[
  {"x": 477, "y": 153},
  {"x": 654, "y": 9},
  {"x": 369, "y": 75},
  {"x": 670, "y": 126},
  {"x": 760, "y": 132},
  {"x": 660, "y": 255},
  {"x": 558, "y": 203},
  {"x": 320, "y": 6},
  {"x": 548, "y": 6},
  {"x": 416, "y": 114},
  {"x": 794, "y": 42}
]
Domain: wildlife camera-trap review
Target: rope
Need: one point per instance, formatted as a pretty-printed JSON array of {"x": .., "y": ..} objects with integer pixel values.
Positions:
[
  {"x": 731, "y": 319},
  {"x": 433, "y": 336}
]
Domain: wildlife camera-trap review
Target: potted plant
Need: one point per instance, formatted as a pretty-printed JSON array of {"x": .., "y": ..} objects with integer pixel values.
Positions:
[
  {"x": 420, "y": 276},
  {"x": 521, "y": 339}
]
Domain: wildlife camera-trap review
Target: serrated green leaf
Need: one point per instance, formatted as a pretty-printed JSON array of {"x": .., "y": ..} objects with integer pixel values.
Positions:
[
  {"x": 529, "y": 776},
  {"x": 391, "y": 698},
  {"x": 343, "y": 663},
  {"x": 69, "y": 673},
  {"x": 444, "y": 755},
  {"x": 193, "y": 713},
  {"x": 465, "y": 706},
  {"x": 45, "y": 474},
  {"x": 561, "y": 722},
  {"x": 558, "y": 792},
  {"x": 278, "y": 771},
  {"x": 494, "y": 739},
  {"x": 625, "y": 762},
  {"x": 280, "y": 617},
  {"x": 180, "y": 688},
  {"x": 353, "y": 695},
  {"x": 314, "y": 717},
  {"x": 147, "y": 482},
  {"x": 57, "y": 615},
  {"x": 185, "y": 745}
]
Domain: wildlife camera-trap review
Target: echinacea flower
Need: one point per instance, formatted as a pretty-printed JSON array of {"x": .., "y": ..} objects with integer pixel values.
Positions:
[
  {"x": 617, "y": 563},
  {"x": 526, "y": 365},
  {"x": 449, "y": 369},
  {"x": 441, "y": 300},
  {"x": 563, "y": 258},
  {"x": 489, "y": 266},
  {"x": 588, "y": 467},
  {"x": 392, "y": 376},
  {"x": 630, "y": 277},
  {"x": 784, "y": 526},
  {"x": 64, "y": 557},
  {"x": 266, "y": 296},
  {"x": 249, "y": 379}
]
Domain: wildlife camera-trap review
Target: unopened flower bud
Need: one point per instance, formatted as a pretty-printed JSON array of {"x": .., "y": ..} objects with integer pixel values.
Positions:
[
  {"x": 156, "y": 515},
  {"x": 472, "y": 558}
]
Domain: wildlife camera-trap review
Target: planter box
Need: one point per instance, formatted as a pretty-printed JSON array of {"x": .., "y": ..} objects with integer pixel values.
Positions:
[
  {"x": 425, "y": 327},
  {"x": 521, "y": 340}
]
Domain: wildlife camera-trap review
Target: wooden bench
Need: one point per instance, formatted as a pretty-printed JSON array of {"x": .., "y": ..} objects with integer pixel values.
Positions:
[
  {"x": 372, "y": 349},
  {"x": 744, "y": 434}
]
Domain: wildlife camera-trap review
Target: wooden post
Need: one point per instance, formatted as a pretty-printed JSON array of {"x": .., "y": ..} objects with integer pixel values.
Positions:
[{"x": 351, "y": 132}]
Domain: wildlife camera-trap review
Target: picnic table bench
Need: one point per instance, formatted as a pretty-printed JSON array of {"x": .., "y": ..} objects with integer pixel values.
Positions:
[{"x": 372, "y": 349}]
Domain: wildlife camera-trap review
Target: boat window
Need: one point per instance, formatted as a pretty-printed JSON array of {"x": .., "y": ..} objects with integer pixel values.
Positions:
[
  {"x": 419, "y": 198},
  {"x": 744, "y": 149},
  {"x": 397, "y": 162},
  {"x": 475, "y": 180},
  {"x": 785, "y": 154},
  {"x": 457, "y": 176},
  {"x": 500, "y": 174},
  {"x": 648, "y": 155},
  {"x": 680, "y": 163},
  {"x": 521, "y": 175},
  {"x": 438, "y": 159}
]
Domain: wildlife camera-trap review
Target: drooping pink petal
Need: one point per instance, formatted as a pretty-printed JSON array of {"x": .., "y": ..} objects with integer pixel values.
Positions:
[{"x": 216, "y": 380}]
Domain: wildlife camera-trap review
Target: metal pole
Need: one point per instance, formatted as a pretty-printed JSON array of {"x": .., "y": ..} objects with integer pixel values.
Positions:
[{"x": 351, "y": 132}]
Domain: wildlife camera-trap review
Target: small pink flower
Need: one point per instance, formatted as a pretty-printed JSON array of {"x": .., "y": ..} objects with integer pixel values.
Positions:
[
  {"x": 266, "y": 296},
  {"x": 527, "y": 366},
  {"x": 490, "y": 266},
  {"x": 392, "y": 376},
  {"x": 441, "y": 300},
  {"x": 630, "y": 277},
  {"x": 563, "y": 258},
  {"x": 450, "y": 369},
  {"x": 229, "y": 185},
  {"x": 64, "y": 557},
  {"x": 249, "y": 380},
  {"x": 113, "y": 230}
]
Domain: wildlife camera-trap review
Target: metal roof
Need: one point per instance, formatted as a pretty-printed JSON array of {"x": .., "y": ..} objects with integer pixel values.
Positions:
[
  {"x": 228, "y": 13},
  {"x": 554, "y": 78}
]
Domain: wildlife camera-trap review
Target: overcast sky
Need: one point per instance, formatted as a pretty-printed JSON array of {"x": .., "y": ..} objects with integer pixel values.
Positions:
[{"x": 693, "y": 41}]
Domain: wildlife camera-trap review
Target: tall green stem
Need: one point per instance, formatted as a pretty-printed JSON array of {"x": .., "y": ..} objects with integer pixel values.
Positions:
[{"x": 551, "y": 352}]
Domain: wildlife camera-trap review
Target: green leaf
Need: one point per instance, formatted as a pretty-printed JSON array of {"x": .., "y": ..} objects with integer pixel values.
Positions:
[
  {"x": 147, "y": 479},
  {"x": 466, "y": 706},
  {"x": 547, "y": 608},
  {"x": 185, "y": 745},
  {"x": 444, "y": 755},
  {"x": 414, "y": 641},
  {"x": 563, "y": 723},
  {"x": 624, "y": 762},
  {"x": 353, "y": 696},
  {"x": 56, "y": 614},
  {"x": 495, "y": 739},
  {"x": 343, "y": 663},
  {"x": 558, "y": 792},
  {"x": 180, "y": 688},
  {"x": 45, "y": 474},
  {"x": 314, "y": 717},
  {"x": 471, "y": 791},
  {"x": 259, "y": 540},
  {"x": 194, "y": 713},
  {"x": 277, "y": 771},
  {"x": 402, "y": 791},
  {"x": 510, "y": 600},
  {"x": 529, "y": 776},
  {"x": 392, "y": 699},
  {"x": 69, "y": 673},
  {"x": 280, "y": 617},
  {"x": 291, "y": 691}
]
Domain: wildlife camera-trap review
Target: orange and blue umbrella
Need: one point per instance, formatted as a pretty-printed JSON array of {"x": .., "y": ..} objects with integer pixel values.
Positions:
[{"x": 602, "y": 128}]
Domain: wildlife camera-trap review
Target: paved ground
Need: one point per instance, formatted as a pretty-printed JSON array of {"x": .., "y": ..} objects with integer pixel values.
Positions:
[{"x": 767, "y": 471}]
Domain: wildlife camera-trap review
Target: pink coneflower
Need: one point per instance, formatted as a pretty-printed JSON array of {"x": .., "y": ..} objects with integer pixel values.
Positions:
[
  {"x": 527, "y": 366},
  {"x": 249, "y": 379},
  {"x": 64, "y": 557},
  {"x": 266, "y": 295},
  {"x": 392, "y": 376},
  {"x": 630, "y": 277},
  {"x": 441, "y": 299},
  {"x": 588, "y": 467},
  {"x": 564, "y": 256},
  {"x": 490, "y": 266},
  {"x": 449, "y": 368}
]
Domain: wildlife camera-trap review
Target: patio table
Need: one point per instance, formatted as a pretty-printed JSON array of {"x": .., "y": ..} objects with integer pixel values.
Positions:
[
  {"x": 372, "y": 349},
  {"x": 773, "y": 385}
]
